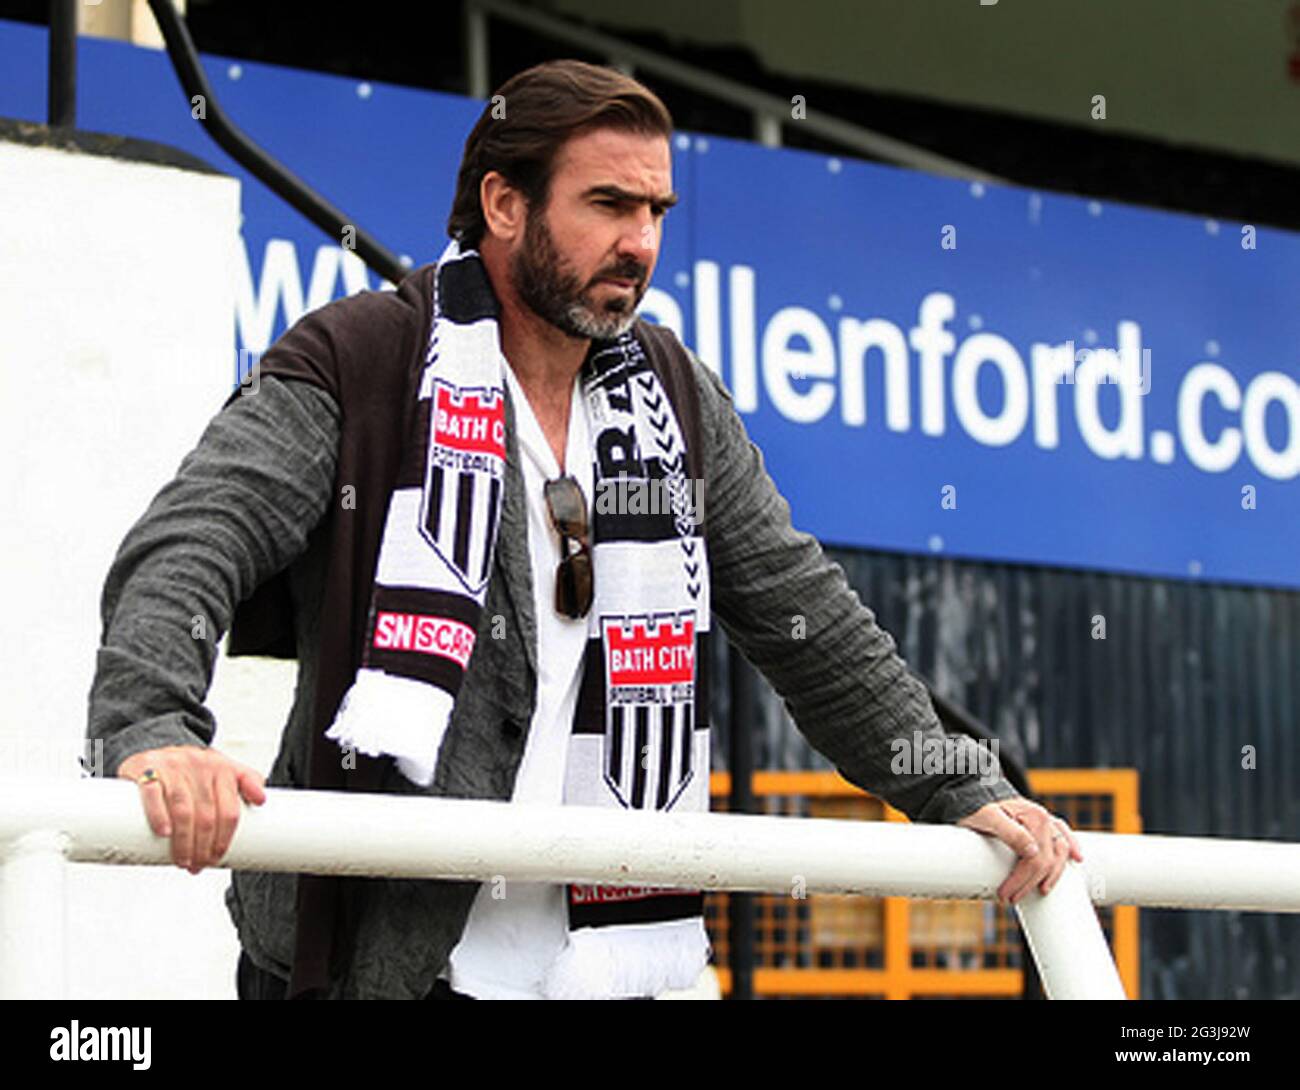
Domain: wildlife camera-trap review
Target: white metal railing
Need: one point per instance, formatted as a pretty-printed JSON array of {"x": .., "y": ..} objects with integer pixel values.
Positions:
[{"x": 44, "y": 825}]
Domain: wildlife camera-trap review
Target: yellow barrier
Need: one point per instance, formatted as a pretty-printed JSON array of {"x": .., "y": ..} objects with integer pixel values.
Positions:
[{"x": 831, "y": 945}]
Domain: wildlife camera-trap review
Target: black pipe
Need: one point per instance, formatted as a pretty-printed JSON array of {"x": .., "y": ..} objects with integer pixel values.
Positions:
[
  {"x": 62, "y": 76},
  {"x": 740, "y": 906},
  {"x": 185, "y": 59},
  {"x": 957, "y": 720}
]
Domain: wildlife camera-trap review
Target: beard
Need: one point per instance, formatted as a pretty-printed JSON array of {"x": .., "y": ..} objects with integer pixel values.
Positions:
[{"x": 551, "y": 289}]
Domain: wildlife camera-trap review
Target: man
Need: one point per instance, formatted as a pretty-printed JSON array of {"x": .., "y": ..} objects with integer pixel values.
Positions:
[{"x": 413, "y": 502}]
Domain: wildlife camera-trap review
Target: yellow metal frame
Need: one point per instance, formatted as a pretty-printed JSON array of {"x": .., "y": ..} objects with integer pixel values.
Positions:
[{"x": 899, "y": 979}]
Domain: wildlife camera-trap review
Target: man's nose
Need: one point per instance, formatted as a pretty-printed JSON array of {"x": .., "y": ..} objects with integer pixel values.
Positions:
[{"x": 640, "y": 239}]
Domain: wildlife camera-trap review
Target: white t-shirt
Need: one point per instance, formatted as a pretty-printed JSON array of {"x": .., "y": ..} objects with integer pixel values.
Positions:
[{"x": 509, "y": 942}]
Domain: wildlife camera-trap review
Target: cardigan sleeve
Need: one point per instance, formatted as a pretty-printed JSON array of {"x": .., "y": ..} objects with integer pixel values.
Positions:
[
  {"x": 239, "y": 509},
  {"x": 791, "y": 612}
]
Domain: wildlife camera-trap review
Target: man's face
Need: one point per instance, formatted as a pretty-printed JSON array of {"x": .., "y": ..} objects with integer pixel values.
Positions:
[{"x": 587, "y": 256}]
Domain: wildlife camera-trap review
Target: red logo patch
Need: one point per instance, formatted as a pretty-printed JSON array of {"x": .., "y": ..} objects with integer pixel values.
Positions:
[
  {"x": 472, "y": 422},
  {"x": 651, "y": 656}
]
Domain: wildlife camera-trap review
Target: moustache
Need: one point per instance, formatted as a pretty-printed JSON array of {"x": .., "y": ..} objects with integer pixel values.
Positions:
[{"x": 634, "y": 272}]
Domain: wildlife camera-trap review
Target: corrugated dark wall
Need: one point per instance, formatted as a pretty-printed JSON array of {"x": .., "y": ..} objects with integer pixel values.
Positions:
[{"x": 1187, "y": 675}]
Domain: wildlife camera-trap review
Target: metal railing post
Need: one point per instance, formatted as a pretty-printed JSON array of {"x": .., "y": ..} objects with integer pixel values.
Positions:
[
  {"x": 767, "y": 129},
  {"x": 270, "y": 172},
  {"x": 1066, "y": 939},
  {"x": 476, "y": 52},
  {"x": 62, "y": 76},
  {"x": 33, "y": 907}
]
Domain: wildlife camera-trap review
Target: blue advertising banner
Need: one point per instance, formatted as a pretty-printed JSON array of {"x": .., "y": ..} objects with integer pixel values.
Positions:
[{"x": 927, "y": 365}]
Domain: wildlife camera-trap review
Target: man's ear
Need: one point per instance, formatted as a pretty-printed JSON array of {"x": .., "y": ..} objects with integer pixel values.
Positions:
[{"x": 505, "y": 210}]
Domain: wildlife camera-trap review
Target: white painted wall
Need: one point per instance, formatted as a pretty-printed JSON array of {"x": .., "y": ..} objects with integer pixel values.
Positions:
[{"x": 117, "y": 300}]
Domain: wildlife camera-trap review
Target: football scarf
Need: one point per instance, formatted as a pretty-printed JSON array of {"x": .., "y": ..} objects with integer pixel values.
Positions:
[{"x": 640, "y": 735}]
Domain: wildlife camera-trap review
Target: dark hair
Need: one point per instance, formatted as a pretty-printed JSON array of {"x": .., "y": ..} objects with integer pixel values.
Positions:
[{"x": 542, "y": 108}]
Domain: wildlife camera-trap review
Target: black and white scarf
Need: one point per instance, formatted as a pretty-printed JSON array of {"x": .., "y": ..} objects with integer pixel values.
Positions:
[{"x": 640, "y": 732}]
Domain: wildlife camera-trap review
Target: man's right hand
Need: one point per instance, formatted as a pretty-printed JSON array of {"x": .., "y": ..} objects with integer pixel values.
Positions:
[{"x": 194, "y": 799}]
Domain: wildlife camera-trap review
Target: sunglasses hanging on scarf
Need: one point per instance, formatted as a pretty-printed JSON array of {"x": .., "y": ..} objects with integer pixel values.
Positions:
[{"x": 567, "y": 507}]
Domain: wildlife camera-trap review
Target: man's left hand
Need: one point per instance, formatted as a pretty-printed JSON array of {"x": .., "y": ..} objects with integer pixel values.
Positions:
[{"x": 1043, "y": 842}]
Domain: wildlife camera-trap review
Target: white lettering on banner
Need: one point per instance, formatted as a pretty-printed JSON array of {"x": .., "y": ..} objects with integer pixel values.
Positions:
[
  {"x": 1051, "y": 365},
  {"x": 1203, "y": 379},
  {"x": 280, "y": 288},
  {"x": 781, "y": 360},
  {"x": 974, "y": 353},
  {"x": 801, "y": 366},
  {"x": 1215, "y": 456},
  {"x": 744, "y": 371},
  {"x": 1265, "y": 389},
  {"x": 856, "y": 340},
  {"x": 931, "y": 343},
  {"x": 1123, "y": 369},
  {"x": 803, "y": 369}
]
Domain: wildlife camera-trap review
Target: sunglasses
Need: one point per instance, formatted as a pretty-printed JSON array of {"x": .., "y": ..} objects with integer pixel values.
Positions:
[{"x": 573, "y": 578}]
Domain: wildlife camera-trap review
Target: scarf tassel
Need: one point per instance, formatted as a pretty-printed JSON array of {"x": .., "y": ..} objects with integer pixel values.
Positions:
[
  {"x": 629, "y": 960},
  {"x": 385, "y": 714}
]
